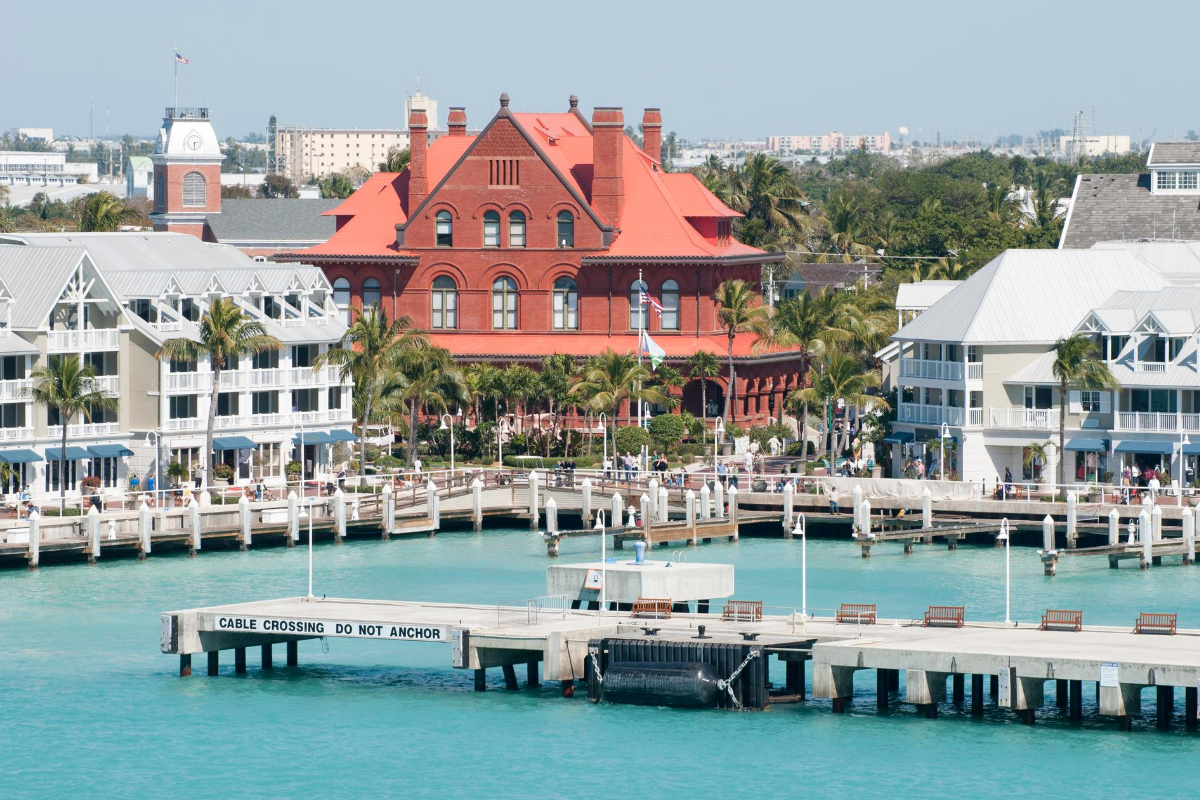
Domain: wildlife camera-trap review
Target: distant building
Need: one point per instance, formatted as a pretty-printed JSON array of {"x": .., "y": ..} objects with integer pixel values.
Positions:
[
  {"x": 264, "y": 227},
  {"x": 24, "y": 168},
  {"x": 139, "y": 177},
  {"x": 1161, "y": 204},
  {"x": 812, "y": 278},
  {"x": 304, "y": 153},
  {"x": 832, "y": 142},
  {"x": 37, "y": 134},
  {"x": 1094, "y": 145},
  {"x": 423, "y": 102}
]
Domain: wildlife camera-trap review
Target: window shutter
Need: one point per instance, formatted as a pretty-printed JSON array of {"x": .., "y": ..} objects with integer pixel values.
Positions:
[
  {"x": 1074, "y": 406},
  {"x": 1105, "y": 402}
]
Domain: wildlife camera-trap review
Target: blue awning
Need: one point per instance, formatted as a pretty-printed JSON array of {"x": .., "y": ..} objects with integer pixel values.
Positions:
[
  {"x": 232, "y": 443},
  {"x": 899, "y": 437},
  {"x": 313, "y": 437},
  {"x": 19, "y": 455},
  {"x": 109, "y": 450},
  {"x": 73, "y": 453},
  {"x": 1192, "y": 449},
  {"x": 1157, "y": 448},
  {"x": 342, "y": 436},
  {"x": 1088, "y": 445}
]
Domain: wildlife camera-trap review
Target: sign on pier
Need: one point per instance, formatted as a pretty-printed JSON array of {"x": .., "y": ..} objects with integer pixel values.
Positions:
[{"x": 321, "y": 627}]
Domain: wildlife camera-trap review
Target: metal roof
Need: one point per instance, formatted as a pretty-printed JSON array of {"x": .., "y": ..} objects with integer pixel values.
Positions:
[
  {"x": 922, "y": 294},
  {"x": 1172, "y": 153},
  {"x": 36, "y": 276},
  {"x": 999, "y": 303},
  {"x": 295, "y": 222},
  {"x": 1121, "y": 207}
]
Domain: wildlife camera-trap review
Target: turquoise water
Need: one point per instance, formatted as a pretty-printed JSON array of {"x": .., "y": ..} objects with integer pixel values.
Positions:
[{"x": 90, "y": 708}]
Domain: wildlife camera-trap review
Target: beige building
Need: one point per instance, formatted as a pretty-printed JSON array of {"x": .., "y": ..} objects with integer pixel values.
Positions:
[{"x": 304, "y": 153}]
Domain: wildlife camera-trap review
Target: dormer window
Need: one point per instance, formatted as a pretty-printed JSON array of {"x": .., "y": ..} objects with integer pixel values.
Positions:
[
  {"x": 1176, "y": 180},
  {"x": 724, "y": 231}
]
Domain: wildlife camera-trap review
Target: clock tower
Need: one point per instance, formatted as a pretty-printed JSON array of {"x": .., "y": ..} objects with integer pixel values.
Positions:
[{"x": 187, "y": 172}]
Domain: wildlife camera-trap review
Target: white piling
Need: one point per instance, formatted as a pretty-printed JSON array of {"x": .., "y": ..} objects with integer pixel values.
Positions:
[
  {"x": 926, "y": 508},
  {"x": 705, "y": 502},
  {"x": 551, "y": 515},
  {"x": 93, "y": 527},
  {"x": 339, "y": 512},
  {"x": 1114, "y": 527},
  {"x": 294, "y": 515},
  {"x": 864, "y": 517},
  {"x": 646, "y": 509},
  {"x": 788, "y": 501},
  {"x": 857, "y": 498},
  {"x": 1189, "y": 533},
  {"x": 1072, "y": 518},
  {"x": 664, "y": 513},
  {"x": 434, "y": 504},
  {"x": 1048, "y": 534},
  {"x": 1146, "y": 536},
  {"x": 585, "y": 513},
  {"x": 534, "y": 480},
  {"x": 477, "y": 504},
  {"x": 193, "y": 511},
  {"x": 244, "y": 519},
  {"x": 616, "y": 510},
  {"x": 718, "y": 500},
  {"x": 733, "y": 511},
  {"x": 145, "y": 527},
  {"x": 652, "y": 491},
  {"x": 1156, "y": 523},
  {"x": 35, "y": 540},
  {"x": 689, "y": 508},
  {"x": 389, "y": 510}
]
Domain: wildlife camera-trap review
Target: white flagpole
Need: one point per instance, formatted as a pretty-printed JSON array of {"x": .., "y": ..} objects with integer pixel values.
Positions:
[{"x": 176, "y": 62}]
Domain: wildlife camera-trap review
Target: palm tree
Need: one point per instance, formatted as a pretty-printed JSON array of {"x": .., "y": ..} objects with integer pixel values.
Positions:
[
  {"x": 520, "y": 386},
  {"x": 559, "y": 372},
  {"x": 1077, "y": 363},
  {"x": 106, "y": 212},
  {"x": 611, "y": 378},
  {"x": 68, "y": 387},
  {"x": 844, "y": 377},
  {"x": 886, "y": 228},
  {"x": 1002, "y": 206},
  {"x": 845, "y": 220},
  {"x": 396, "y": 161},
  {"x": 367, "y": 354},
  {"x": 430, "y": 378},
  {"x": 701, "y": 366},
  {"x": 740, "y": 312},
  {"x": 227, "y": 332},
  {"x": 803, "y": 323},
  {"x": 482, "y": 382},
  {"x": 765, "y": 189}
]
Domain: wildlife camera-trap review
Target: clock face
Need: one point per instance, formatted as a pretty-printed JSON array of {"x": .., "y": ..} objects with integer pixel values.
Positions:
[{"x": 192, "y": 142}]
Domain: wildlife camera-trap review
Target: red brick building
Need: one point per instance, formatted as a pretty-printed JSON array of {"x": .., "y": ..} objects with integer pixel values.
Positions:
[{"x": 527, "y": 239}]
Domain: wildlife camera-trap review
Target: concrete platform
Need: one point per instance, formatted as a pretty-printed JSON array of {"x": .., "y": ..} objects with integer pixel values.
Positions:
[{"x": 626, "y": 581}]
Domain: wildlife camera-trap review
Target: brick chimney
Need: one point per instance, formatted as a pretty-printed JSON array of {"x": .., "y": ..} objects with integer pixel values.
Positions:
[
  {"x": 418, "y": 180},
  {"x": 608, "y": 185},
  {"x": 652, "y": 133},
  {"x": 458, "y": 121}
]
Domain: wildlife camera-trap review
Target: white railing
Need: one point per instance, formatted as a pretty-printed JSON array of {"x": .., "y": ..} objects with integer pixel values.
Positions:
[
  {"x": 975, "y": 417},
  {"x": 1151, "y": 421},
  {"x": 938, "y": 370},
  {"x": 83, "y": 341},
  {"x": 184, "y": 424},
  {"x": 1021, "y": 418},
  {"x": 1150, "y": 366},
  {"x": 13, "y": 434},
  {"x": 109, "y": 384},
  {"x": 930, "y": 415},
  {"x": 15, "y": 389},
  {"x": 84, "y": 429},
  {"x": 974, "y": 370}
]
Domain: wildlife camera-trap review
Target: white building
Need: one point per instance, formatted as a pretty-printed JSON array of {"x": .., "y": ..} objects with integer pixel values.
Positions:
[
  {"x": 112, "y": 299},
  {"x": 979, "y": 361},
  {"x": 37, "y": 134},
  {"x": 25, "y": 168},
  {"x": 139, "y": 177},
  {"x": 423, "y": 102},
  {"x": 303, "y": 153},
  {"x": 1095, "y": 145}
]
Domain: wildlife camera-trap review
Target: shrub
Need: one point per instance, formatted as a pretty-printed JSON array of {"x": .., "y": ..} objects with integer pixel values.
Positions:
[
  {"x": 387, "y": 462},
  {"x": 222, "y": 471},
  {"x": 733, "y": 431},
  {"x": 667, "y": 430},
  {"x": 177, "y": 471},
  {"x": 91, "y": 481},
  {"x": 631, "y": 439},
  {"x": 292, "y": 469},
  {"x": 687, "y": 452}
]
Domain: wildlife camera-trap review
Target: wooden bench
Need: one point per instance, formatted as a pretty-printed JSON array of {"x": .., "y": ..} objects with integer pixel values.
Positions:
[
  {"x": 951, "y": 616},
  {"x": 652, "y": 608},
  {"x": 1061, "y": 619},
  {"x": 1156, "y": 623},
  {"x": 857, "y": 613},
  {"x": 742, "y": 611}
]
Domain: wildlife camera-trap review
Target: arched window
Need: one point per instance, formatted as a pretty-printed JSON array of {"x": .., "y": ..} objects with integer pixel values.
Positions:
[
  {"x": 566, "y": 229},
  {"x": 371, "y": 296},
  {"x": 670, "y": 304},
  {"x": 504, "y": 304},
  {"x": 445, "y": 302},
  {"x": 193, "y": 190},
  {"x": 566, "y": 304},
  {"x": 491, "y": 229},
  {"x": 160, "y": 190},
  {"x": 516, "y": 229},
  {"x": 341, "y": 297},
  {"x": 637, "y": 311},
  {"x": 445, "y": 229}
]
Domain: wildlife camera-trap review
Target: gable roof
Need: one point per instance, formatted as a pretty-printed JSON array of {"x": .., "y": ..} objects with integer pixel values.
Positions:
[
  {"x": 1121, "y": 207},
  {"x": 297, "y": 223},
  {"x": 993, "y": 305},
  {"x": 922, "y": 294},
  {"x": 1173, "y": 153},
  {"x": 36, "y": 277}
]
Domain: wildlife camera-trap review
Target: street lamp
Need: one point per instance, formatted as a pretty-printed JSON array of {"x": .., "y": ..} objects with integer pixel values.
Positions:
[
  {"x": 718, "y": 432},
  {"x": 1184, "y": 441},
  {"x": 799, "y": 531},
  {"x": 942, "y": 462},
  {"x": 300, "y": 426},
  {"x": 309, "y": 514},
  {"x": 604, "y": 442},
  {"x": 157, "y": 462},
  {"x": 450, "y": 428},
  {"x": 1004, "y": 536},
  {"x": 603, "y": 558}
]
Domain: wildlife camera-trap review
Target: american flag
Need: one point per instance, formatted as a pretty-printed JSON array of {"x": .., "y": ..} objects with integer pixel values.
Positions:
[
  {"x": 647, "y": 300},
  {"x": 181, "y": 59}
]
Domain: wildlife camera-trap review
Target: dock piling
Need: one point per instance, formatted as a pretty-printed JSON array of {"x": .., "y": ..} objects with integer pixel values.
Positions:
[
  {"x": 718, "y": 499},
  {"x": 585, "y": 513},
  {"x": 145, "y": 526},
  {"x": 510, "y": 677},
  {"x": 615, "y": 511},
  {"x": 434, "y": 505},
  {"x": 267, "y": 660},
  {"x": 1072, "y": 519},
  {"x": 1166, "y": 703},
  {"x": 239, "y": 660},
  {"x": 481, "y": 680},
  {"x": 531, "y": 675},
  {"x": 551, "y": 515},
  {"x": 339, "y": 515},
  {"x": 705, "y": 502},
  {"x": 926, "y": 508},
  {"x": 664, "y": 514},
  {"x": 788, "y": 500},
  {"x": 185, "y": 665},
  {"x": 35, "y": 541},
  {"x": 881, "y": 689},
  {"x": 293, "y": 654},
  {"x": 214, "y": 663},
  {"x": 193, "y": 512},
  {"x": 93, "y": 529},
  {"x": 959, "y": 682},
  {"x": 389, "y": 511},
  {"x": 1156, "y": 523},
  {"x": 1189, "y": 534},
  {"x": 1190, "y": 708},
  {"x": 244, "y": 520},
  {"x": 477, "y": 503},
  {"x": 1146, "y": 536},
  {"x": 293, "y": 507},
  {"x": 534, "y": 481},
  {"x": 1114, "y": 527},
  {"x": 1060, "y": 693},
  {"x": 733, "y": 512},
  {"x": 976, "y": 695},
  {"x": 1076, "y": 701}
]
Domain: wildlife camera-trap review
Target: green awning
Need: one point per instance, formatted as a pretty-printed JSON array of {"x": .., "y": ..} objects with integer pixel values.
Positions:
[
  {"x": 898, "y": 437},
  {"x": 73, "y": 453},
  {"x": 342, "y": 436},
  {"x": 1135, "y": 446},
  {"x": 313, "y": 437},
  {"x": 20, "y": 455},
  {"x": 1087, "y": 445},
  {"x": 109, "y": 450},
  {"x": 232, "y": 443}
]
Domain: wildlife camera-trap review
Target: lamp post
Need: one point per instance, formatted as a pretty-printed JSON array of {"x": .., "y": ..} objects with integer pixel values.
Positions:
[
  {"x": 604, "y": 442},
  {"x": 1184, "y": 441},
  {"x": 300, "y": 426},
  {"x": 942, "y": 442},
  {"x": 157, "y": 462},
  {"x": 1006, "y": 538},
  {"x": 309, "y": 514},
  {"x": 450, "y": 427},
  {"x": 603, "y": 558},
  {"x": 799, "y": 531},
  {"x": 718, "y": 432}
]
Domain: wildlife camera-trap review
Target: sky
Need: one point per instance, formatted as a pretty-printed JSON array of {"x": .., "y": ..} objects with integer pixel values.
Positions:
[{"x": 717, "y": 69}]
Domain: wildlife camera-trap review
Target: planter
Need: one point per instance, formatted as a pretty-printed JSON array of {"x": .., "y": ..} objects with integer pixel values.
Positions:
[
  {"x": 758, "y": 486},
  {"x": 88, "y": 491}
]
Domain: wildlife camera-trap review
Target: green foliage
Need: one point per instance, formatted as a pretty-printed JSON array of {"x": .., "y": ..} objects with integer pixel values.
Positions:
[
  {"x": 275, "y": 185},
  {"x": 631, "y": 439},
  {"x": 292, "y": 469},
  {"x": 237, "y": 192},
  {"x": 336, "y": 186},
  {"x": 396, "y": 161},
  {"x": 388, "y": 462},
  {"x": 734, "y": 431},
  {"x": 105, "y": 212},
  {"x": 177, "y": 471},
  {"x": 222, "y": 471},
  {"x": 667, "y": 430}
]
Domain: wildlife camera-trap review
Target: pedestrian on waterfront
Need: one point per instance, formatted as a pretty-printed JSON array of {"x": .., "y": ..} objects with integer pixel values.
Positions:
[
  {"x": 341, "y": 477},
  {"x": 607, "y": 467},
  {"x": 834, "y": 496},
  {"x": 198, "y": 475},
  {"x": 258, "y": 492},
  {"x": 417, "y": 465},
  {"x": 722, "y": 472},
  {"x": 1153, "y": 484},
  {"x": 733, "y": 477},
  {"x": 920, "y": 469},
  {"x": 1007, "y": 481}
]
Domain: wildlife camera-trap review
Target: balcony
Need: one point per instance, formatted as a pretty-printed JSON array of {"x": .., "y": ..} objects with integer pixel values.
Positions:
[
  {"x": 84, "y": 429},
  {"x": 975, "y": 417},
  {"x": 1023, "y": 418},
  {"x": 109, "y": 384},
  {"x": 83, "y": 341},
  {"x": 16, "y": 434},
  {"x": 975, "y": 370},
  {"x": 930, "y": 415},
  {"x": 235, "y": 380},
  {"x": 1156, "y": 422},
  {"x": 188, "y": 382},
  {"x": 17, "y": 390},
  {"x": 936, "y": 370},
  {"x": 1149, "y": 366}
]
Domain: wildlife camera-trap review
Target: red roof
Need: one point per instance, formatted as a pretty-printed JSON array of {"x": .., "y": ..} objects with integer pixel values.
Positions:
[
  {"x": 654, "y": 218},
  {"x": 530, "y": 345}
]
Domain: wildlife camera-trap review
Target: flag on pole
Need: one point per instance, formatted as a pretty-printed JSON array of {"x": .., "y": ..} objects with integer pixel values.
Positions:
[
  {"x": 180, "y": 59},
  {"x": 651, "y": 348},
  {"x": 650, "y": 301}
]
